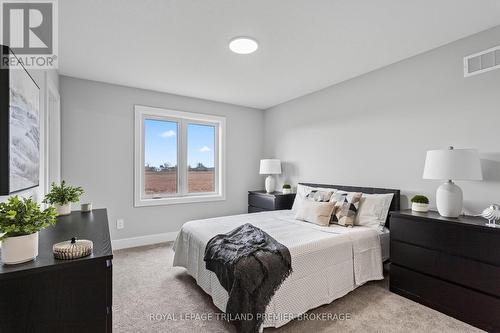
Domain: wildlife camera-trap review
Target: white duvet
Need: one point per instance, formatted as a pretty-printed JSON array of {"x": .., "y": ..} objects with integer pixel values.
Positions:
[{"x": 327, "y": 262}]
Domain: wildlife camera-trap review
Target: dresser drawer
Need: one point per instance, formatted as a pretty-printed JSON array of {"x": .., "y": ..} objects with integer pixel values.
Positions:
[
  {"x": 465, "y": 304},
  {"x": 261, "y": 201},
  {"x": 252, "y": 209},
  {"x": 454, "y": 239},
  {"x": 466, "y": 272}
]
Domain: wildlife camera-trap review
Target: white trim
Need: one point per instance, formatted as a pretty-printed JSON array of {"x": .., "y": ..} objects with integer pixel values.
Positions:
[
  {"x": 183, "y": 119},
  {"x": 126, "y": 243},
  {"x": 51, "y": 90},
  {"x": 180, "y": 200},
  {"x": 480, "y": 71}
]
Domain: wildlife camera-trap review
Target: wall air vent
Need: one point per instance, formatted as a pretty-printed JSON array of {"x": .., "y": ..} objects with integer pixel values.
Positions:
[{"x": 482, "y": 62}]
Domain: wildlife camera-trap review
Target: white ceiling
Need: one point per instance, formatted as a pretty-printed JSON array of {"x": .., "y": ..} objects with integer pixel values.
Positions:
[{"x": 181, "y": 46}]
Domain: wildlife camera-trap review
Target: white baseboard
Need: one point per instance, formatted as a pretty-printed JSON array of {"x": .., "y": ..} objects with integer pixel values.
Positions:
[{"x": 126, "y": 243}]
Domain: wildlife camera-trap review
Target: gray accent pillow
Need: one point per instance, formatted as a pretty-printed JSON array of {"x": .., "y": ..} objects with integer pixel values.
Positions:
[
  {"x": 346, "y": 208},
  {"x": 320, "y": 195}
]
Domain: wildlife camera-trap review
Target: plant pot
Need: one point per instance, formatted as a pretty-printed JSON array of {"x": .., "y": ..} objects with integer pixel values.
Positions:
[
  {"x": 287, "y": 190},
  {"x": 419, "y": 207},
  {"x": 63, "y": 209},
  {"x": 16, "y": 250}
]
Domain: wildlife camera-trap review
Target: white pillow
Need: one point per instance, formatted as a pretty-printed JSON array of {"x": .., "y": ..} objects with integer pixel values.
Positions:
[
  {"x": 373, "y": 210},
  {"x": 303, "y": 191},
  {"x": 317, "y": 212}
]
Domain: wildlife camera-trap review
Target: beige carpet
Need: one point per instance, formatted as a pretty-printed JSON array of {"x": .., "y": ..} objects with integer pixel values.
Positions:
[{"x": 145, "y": 284}]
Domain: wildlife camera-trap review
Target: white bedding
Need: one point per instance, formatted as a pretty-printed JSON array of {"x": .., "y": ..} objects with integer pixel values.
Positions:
[{"x": 327, "y": 262}]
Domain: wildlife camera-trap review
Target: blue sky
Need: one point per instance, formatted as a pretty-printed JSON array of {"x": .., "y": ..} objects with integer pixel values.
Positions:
[{"x": 161, "y": 143}]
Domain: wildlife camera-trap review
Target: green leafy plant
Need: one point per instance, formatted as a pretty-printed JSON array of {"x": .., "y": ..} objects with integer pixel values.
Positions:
[
  {"x": 287, "y": 186},
  {"x": 20, "y": 217},
  {"x": 63, "y": 194},
  {"x": 421, "y": 199}
]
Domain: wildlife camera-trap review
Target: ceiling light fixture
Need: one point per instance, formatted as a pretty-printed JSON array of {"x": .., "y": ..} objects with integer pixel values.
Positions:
[{"x": 243, "y": 45}]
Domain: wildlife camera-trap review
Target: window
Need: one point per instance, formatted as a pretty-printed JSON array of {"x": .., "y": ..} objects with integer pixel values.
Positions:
[
  {"x": 179, "y": 157},
  {"x": 160, "y": 157},
  {"x": 201, "y": 158}
]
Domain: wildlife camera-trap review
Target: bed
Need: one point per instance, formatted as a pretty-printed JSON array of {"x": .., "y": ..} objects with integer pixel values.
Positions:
[{"x": 327, "y": 262}]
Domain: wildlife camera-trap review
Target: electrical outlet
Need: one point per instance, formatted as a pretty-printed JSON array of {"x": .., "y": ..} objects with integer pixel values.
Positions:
[{"x": 120, "y": 224}]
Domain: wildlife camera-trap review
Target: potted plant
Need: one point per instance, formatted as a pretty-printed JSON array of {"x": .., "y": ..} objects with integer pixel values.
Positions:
[
  {"x": 287, "y": 189},
  {"x": 420, "y": 203},
  {"x": 61, "y": 196},
  {"x": 20, "y": 221}
]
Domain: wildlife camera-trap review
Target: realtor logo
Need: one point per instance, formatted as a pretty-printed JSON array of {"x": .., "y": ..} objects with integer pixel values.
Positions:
[{"x": 29, "y": 28}]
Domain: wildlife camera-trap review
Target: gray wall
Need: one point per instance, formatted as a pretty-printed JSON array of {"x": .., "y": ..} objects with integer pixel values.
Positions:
[
  {"x": 374, "y": 130},
  {"x": 39, "y": 76},
  {"x": 97, "y": 153}
]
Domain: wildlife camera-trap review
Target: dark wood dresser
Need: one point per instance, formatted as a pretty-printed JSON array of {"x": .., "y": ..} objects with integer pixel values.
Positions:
[
  {"x": 51, "y": 295},
  {"x": 451, "y": 265},
  {"x": 260, "y": 201}
]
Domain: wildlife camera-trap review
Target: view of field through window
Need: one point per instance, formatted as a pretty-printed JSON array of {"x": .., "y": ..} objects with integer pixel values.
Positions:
[
  {"x": 160, "y": 158},
  {"x": 200, "y": 155}
]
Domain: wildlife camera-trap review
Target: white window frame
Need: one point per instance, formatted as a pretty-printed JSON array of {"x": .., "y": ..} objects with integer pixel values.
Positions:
[{"x": 183, "y": 119}]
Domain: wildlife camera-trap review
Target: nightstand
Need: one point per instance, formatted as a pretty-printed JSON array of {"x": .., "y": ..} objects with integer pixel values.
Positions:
[
  {"x": 260, "y": 201},
  {"x": 449, "y": 264}
]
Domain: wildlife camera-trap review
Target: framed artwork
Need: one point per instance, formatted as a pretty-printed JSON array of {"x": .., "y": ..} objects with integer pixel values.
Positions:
[{"x": 19, "y": 126}]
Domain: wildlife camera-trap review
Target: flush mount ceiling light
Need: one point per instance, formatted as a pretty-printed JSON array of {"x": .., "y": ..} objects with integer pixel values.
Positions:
[{"x": 243, "y": 45}]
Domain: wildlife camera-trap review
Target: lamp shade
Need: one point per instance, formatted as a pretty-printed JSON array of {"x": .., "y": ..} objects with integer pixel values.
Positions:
[
  {"x": 453, "y": 164},
  {"x": 270, "y": 167}
]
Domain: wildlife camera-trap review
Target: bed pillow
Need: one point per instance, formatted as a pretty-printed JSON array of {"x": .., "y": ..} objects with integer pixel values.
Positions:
[
  {"x": 316, "y": 212},
  {"x": 320, "y": 195},
  {"x": 346, "y": 208},
  {"x": 301, "y": 195},
  {"x": 373, "y": 210},
  {"x": 303, "y": 191}
]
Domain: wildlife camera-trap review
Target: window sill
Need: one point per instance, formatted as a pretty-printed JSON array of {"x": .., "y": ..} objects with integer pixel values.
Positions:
[{"x": 178, "y": 200}]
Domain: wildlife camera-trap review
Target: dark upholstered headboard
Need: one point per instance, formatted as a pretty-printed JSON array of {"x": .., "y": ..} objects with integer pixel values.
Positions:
[{"x": 395, "y": 204}]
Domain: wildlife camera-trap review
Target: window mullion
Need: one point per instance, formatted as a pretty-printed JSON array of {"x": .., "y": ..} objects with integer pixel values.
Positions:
[{"x": 183, "y": 158}]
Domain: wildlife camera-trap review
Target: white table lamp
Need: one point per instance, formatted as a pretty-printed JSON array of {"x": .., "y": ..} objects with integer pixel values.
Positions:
[
  {"x": 452, "y": 164},
  {"x": 270, "y": 167}
]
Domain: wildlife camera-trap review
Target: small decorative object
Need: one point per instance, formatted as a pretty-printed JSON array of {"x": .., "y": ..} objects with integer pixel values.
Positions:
[
  {"x": 287, "y": 189},
  {"x": 19, "y": 125},
  {"x": 492, "y": 214},
  {"x": 86, "y": 207},
  {"x": 452, "y": 164},
  {"x": 420, "y": 203},
  {"x": 72, "y": 249},
  {"x": 270, "y": 167},
  {"x": 20, "y": 221},
  {"x": 62, "y": 196}
]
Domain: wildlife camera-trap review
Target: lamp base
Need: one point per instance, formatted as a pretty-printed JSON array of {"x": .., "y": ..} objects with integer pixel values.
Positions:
[
  {"x": 449, "y": 199},
  {"x": 270, "y": 184}
]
